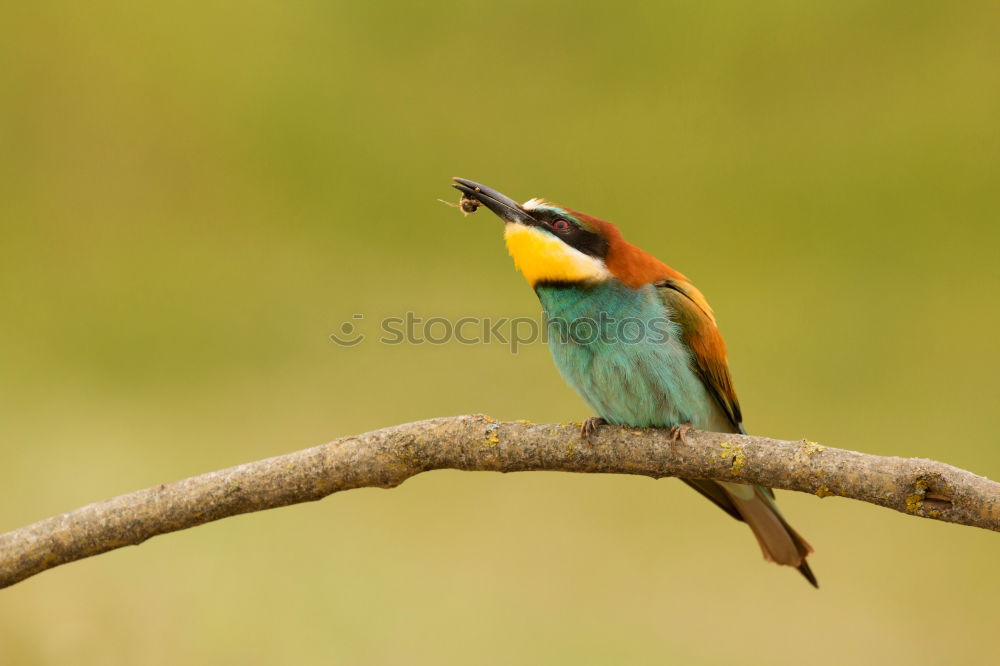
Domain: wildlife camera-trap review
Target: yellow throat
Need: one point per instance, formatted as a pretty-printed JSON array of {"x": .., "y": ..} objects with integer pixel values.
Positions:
[{"x": 541, "y": 257}]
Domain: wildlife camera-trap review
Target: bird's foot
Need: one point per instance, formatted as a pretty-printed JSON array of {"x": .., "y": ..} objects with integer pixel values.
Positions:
[
  {"x": 590, "y": 426},
  {"x": 678, "y": 433}
]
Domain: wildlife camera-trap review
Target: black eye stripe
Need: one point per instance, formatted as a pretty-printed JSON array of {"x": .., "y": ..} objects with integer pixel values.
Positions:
[
  {"x": 584, "y": 241},
  {"x": 573, "y": 234}
]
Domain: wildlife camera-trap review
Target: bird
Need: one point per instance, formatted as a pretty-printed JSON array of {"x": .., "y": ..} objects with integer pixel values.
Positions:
[{"x": 674, "y": 374}]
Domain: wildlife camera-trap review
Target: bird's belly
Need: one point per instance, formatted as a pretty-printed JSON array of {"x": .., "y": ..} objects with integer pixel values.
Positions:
[
  {"x": 640, "y": 385},
  {"x": 647, "y": 382}
]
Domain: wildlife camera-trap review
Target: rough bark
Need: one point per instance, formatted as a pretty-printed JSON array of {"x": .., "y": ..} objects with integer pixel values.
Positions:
[{"x": 385, "y": 458}]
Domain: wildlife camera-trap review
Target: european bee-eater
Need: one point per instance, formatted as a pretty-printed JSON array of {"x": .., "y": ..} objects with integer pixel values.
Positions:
[{"x": 673, "y": 374}]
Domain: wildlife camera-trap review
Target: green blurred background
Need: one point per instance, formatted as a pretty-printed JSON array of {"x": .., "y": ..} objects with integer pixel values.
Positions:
[{"x": 194, "y": 195}]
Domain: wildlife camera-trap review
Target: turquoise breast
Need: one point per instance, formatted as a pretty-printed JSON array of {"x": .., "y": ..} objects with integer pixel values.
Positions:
[{"x": 619, "y": 348}]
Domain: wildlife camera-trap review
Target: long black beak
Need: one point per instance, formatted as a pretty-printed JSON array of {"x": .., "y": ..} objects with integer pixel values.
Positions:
[{"x": 502, "y": 206}]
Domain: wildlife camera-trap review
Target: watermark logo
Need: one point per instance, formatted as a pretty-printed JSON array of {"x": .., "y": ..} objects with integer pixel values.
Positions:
[
  {"x": 513, "y": 332},
  {"x": 349, "y": 334}
]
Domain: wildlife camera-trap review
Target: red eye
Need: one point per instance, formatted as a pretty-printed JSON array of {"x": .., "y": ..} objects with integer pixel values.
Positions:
[{"x": 560, "y": 225}]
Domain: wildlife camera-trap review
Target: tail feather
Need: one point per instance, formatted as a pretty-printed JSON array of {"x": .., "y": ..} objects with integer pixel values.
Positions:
[
  {"x": 779, "y": 542},
  {"x": 808, "y": 573}
]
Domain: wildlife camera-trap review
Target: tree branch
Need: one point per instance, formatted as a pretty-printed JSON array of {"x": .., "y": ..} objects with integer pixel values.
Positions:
[{"x": 385, "y": 458}]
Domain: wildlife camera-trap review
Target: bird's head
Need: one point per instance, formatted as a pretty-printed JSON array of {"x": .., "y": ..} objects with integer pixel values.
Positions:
[{"x": 552, "y": 244}]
